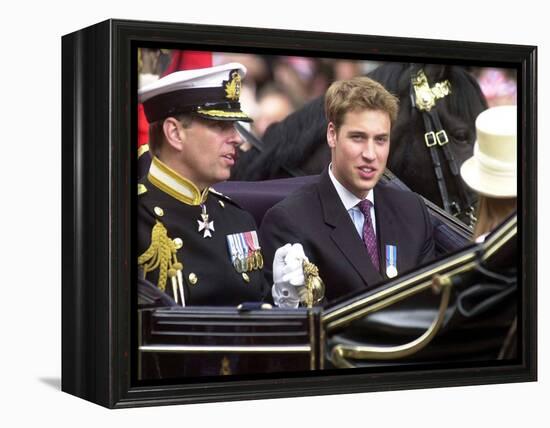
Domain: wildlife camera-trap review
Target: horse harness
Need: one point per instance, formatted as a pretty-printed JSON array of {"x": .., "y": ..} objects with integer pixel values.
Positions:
[{"x": 424, "y": 99}]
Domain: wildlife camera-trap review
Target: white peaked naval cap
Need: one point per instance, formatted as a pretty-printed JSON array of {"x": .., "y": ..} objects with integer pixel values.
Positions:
[{"x": 212, "y": 93}]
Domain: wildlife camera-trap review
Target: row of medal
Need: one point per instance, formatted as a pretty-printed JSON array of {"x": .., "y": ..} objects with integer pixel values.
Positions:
[{"x": 245, "y": 251}]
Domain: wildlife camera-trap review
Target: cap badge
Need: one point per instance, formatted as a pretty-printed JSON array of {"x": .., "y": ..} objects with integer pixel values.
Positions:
[{"x": 233, "y": 86}]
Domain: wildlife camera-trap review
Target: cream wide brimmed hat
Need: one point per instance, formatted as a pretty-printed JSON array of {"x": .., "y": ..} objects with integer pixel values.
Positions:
[{"x": 492, "y": 170}]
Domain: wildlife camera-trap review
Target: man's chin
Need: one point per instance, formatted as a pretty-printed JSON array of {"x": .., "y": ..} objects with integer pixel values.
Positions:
[
  {"x": 368, "y": 184},
  {"x": 223, "y": 177}
]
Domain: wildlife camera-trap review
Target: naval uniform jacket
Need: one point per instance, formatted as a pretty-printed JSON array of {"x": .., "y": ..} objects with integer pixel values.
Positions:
[
  {"x": 173, "y": 204},
  {"x": 315, "y": 217}
]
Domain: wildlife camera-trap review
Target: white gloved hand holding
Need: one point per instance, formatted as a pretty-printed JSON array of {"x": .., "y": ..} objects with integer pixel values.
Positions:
[{"x": 288, "y": 276}]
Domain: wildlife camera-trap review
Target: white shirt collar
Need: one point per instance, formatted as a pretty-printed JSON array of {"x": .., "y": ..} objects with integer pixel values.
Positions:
[{"x": 348, "y": 199}]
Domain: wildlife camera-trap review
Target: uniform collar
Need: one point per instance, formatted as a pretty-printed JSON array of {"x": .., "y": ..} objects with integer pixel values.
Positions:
[
  {"x": 169, "y": 181},
  {"x": 349, "y": 200}
]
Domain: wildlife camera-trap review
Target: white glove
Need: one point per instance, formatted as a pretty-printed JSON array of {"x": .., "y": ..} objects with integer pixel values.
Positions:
[{"x": 288, "y": 276}]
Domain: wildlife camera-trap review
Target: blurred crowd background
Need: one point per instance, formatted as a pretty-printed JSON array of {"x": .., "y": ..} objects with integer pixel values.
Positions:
[{"x": 275, "y": 85}]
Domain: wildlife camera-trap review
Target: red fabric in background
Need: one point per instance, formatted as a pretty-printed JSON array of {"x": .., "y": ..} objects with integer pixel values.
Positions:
[
  {"x": 188, "y": 60},
  {"x": 181, "y": 60},
  {"x": 143, "y": 127}
]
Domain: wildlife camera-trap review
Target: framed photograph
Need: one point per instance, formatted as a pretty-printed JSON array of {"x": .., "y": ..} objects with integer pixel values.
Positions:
[{"x": 165, "y": 307}]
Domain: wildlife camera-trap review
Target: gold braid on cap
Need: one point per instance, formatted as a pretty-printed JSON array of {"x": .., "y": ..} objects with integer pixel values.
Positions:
[
  {"x": 223, "y": 113},
  {"x": 233, "y": 86},
  {"x": 161, "y": 255}
]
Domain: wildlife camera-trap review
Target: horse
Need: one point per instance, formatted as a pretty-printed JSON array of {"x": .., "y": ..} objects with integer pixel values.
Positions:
[{"x": 428, "y": 142}]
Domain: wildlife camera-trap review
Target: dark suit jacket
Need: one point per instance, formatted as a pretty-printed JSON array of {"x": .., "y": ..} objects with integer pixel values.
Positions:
[{"x": 315, "y": 217}]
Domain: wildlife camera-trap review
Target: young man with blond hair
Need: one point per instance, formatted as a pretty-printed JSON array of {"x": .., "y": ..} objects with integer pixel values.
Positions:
[{"x": 357, "y": 230}]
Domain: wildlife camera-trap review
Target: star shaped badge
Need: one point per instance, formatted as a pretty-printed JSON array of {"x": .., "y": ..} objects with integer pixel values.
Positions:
[{"x": 206, "y": 225}]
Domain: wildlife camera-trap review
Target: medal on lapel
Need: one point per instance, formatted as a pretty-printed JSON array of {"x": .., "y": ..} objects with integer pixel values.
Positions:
[
  {"x": 244, "y": 251},
  {"x": 234, "y": 245},
  {"x": 258, "y": 250},
  {"x": 255, "y": 260},
  {"x": 205, "y": 225},
  {"x": 391, "y": 261},
  {"x": 250, "y": 259}
]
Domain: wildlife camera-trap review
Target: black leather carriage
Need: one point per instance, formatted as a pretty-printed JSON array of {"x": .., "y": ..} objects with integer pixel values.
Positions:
[
  {"x": 462, "y": 308},
  {"x": 402, "y": 321},
  {"x": 178, "y": 342}
]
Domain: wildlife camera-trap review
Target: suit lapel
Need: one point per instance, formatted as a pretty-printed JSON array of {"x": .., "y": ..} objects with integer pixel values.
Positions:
[
  {"x": 344, "y": 234},
  {"x": 386, "y": 231}
]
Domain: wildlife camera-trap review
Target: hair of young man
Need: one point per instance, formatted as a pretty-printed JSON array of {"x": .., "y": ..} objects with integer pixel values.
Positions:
[
  {"x": 156, "y": 132},
  {"x": 358, "y": 94}
]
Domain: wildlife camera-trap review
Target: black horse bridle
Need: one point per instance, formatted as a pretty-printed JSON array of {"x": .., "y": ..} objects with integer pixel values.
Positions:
[{"x": 424, "y": 98}]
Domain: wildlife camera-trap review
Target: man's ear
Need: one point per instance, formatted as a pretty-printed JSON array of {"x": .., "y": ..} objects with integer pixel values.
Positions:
[
  {"x": 331, "y": 135},
  {"x": 171, "y": 128}
]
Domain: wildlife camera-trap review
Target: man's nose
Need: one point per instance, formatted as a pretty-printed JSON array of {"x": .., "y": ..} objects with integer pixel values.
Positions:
[
  {"x": 234, "y": 137},
  {"x": 369, "y": 150}
]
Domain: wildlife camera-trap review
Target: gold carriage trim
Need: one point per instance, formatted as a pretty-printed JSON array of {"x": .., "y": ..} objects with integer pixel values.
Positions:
[
  {"x": 222, "y": 113},
  {"x": 425, "y": 95},
  {"x": 162, "y": 255}
]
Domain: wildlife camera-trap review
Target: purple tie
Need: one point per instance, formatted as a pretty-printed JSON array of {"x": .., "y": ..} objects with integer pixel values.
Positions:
[{"x": 369, "y": 238}]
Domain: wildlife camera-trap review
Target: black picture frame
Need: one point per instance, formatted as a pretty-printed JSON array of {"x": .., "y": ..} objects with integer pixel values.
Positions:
[{"x": 98, "y": 166}]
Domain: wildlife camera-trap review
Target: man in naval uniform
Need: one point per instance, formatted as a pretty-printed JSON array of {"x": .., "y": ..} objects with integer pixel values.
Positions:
[
  {"x": 358, "y": 231},
  {"x": 195, "y": 244}
]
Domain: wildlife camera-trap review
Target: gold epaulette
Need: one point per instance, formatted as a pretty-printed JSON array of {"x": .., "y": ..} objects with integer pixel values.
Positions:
[{"x": 162, "y": 255}]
